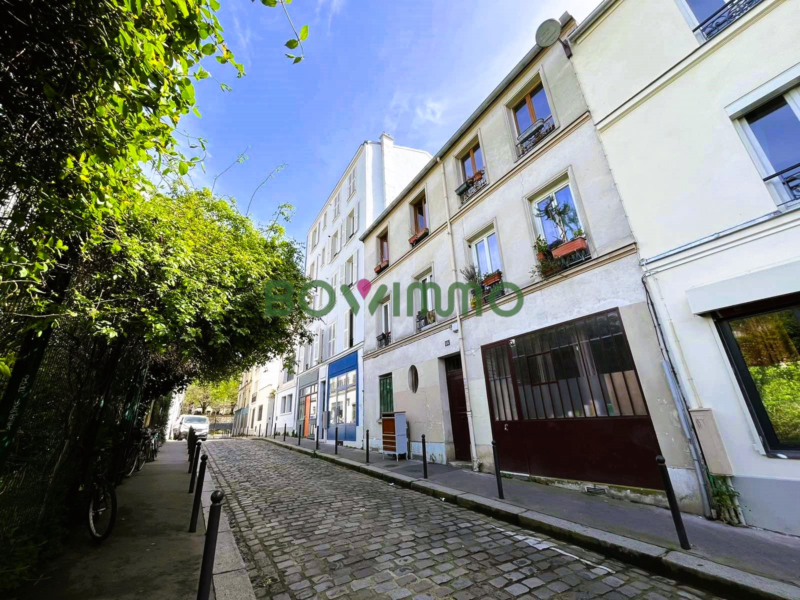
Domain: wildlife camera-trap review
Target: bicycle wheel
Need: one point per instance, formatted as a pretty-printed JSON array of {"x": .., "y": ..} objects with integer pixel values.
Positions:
[
  {"x": 141, "y": 458},
  {"x": 130, "y": 462},
  {"x": 102, "y": 510}
]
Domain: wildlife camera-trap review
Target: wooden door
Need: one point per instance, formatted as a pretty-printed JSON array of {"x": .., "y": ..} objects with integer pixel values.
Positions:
[
  {"x": 458, "y": 407},
  {"x": 306, "y": 430}
]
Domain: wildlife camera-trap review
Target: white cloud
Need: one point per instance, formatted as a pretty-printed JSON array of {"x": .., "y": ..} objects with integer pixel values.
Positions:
[{"x": 328, "y": 9}]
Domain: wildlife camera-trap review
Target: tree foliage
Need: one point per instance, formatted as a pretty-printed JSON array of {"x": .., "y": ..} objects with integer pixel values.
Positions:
[{"x": 215, "y": 396}]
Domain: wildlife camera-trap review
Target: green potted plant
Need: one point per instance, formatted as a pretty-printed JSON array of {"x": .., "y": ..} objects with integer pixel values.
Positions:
[
  {"x": 572, "y": 238},
  {"x": 542, "y": 248},
  {"x": 492, "y": 278},
  {"x": 472, "y": 275}
]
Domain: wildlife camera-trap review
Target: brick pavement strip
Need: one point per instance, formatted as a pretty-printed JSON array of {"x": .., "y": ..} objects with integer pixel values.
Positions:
[{"x": 309, "y": 529}]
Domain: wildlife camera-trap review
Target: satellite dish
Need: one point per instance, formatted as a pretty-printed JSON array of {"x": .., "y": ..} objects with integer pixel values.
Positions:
[{"x": 548, "y": 33}]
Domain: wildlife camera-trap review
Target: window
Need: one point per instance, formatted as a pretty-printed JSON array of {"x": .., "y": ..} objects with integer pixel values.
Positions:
[
  {"x": 383, "y": 247},
  {"x": 260, "y": 412},
  {"x": 763, "y": 342},
  {"x": 413, "y": 379},
  {"x": 713, "y": 16},
  {"x": 332, "y": 340},
  {"x": 351, "y": 184},
  {"x": 472, "y": 162},
  {"x": 386, "y": 317},
  {"x": 419, "y": 214},
  {"x": 349, "y": 328},
  {"x": 289, "y": 403},
  {"x": 334, "y": 245},
  {"x": 352, "y": 223},
  {"x": 424, "y": 301},
  {"x": 317, "y": 345},
  {"x": 580, "y": 369},
  {"x": 557, "y": 218},
  {"x": 343, "y": 407},
  {"x": 486, "y": 254},
  {"x": 314, "y": 238},
  {"x": 252, "y": 418},
  {"x": 350, "y": 270},
  {"x": 386, "y": 395},
  {"x": 773, "y": 130},
  {"x": 324, "y": 219},
  {"x": 321, "y": 344},
  {"x": 323, "y": 256},
  {"x": 532, "y": 108}
]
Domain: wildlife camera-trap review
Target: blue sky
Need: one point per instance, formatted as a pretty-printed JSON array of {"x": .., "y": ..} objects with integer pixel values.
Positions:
[{"x": 413, "y": 68}]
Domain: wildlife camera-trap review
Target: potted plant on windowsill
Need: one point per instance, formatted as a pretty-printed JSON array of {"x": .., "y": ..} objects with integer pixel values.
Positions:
[
  {"x": 576, "y": 244},
  {"x": 477, "y": 177},
  {"x": 472, "y": 275},
  {"x": 460, "y": 190},
  {"x": 381, "y": 266},
  {"x": 418, "y": 237},
  {"x": 542, "y": 248},
  {"x": 547, "y": 267},
  {"x": 492, "y": 278}
]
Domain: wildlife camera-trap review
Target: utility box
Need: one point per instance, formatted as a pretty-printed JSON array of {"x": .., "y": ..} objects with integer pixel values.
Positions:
[
  {"x": 395, "y": 440},
  {"x": 711, "y": 441}
]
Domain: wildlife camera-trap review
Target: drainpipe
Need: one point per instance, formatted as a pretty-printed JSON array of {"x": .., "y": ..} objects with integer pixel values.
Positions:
[
  {"x": 698, "y": 460},
  {"x": 473, "y": 452}
]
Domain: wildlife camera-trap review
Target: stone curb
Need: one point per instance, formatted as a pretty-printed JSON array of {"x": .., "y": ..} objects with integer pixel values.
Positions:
[
  {"x": 686, "y": 567},
  {"x": 231, "y": 581}
]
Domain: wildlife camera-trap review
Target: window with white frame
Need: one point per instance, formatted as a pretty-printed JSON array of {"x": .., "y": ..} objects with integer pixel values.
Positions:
[
  {"x": 350, "y": 270},
  {"x": 334, "y": 244},
  {"x": 317, "y": 345},
  {"x": 349, "y": 329},
  {"x": 324, "y": 219},
  {"x": 425, "y": 301},
  {"x": 351, "y": 184},
  {"x": 332, "y": 340},
  {"x": 323, "y": 255},
  {"x": 556, "y": 218},
  {"x": 773, "y": 131},
  {"x": 352, "y": 223},
  {"x": 710, "y": 17},
  {"x": 314, "y": 237},
  {"x": 336, "y": 206},
  {"x": 385, "y": 316},
  {"x": 486, "y": 254}
]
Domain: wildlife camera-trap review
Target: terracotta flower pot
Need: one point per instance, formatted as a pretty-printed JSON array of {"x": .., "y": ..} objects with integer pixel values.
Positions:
[
  {"x": 381, "y": 266},
  {"x": 418, "y": 236},
  {"x": 492, "y": 278},
  {"x": 570, "y": 247}
]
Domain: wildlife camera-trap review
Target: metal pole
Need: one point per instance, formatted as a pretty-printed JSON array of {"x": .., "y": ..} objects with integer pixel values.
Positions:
[
  {"x": 497, "y": 471},
  {"x": 197, "y": 494},
  {"x": 424, "y": 458},
  {"x": 210, "y": 548},
  {"x": 673, "y": 503},
  {"x": 300, "y": 432},
  {"x": 336, "y": 441},
  {"x": 194, "y": 467},
  {"x": 192, "y": 442},
  {"x": 259, "y": 430},
  {"x": 284, "y": 432},
  {"x": 367, "y": 446},
  {"x": 316, "y": 441}
]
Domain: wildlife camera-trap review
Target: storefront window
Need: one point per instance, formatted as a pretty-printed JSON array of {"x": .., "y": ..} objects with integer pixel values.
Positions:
[
  {"x": 343, "y": 398},
  {"x": 764, "y": 347}
]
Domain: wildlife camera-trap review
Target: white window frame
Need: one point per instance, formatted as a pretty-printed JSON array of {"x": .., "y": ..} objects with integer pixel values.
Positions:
[
  {"x": 332, "y": 340},
  {"x": 551, "y": 193},
  {"x": 350, "y": 270},
  {"x": 324, "y": 219},
  {"x": 385, "y": 316},
  {"x": 352, "y": 223},
  {"x": 314, "y": 237},
  {"x": 334, "y": 244},
  {"x": 425, "y": 279},
  {"x": 316, "y": 345},
  {"x": 348, "y": 315},
  {"x": 776, "y": 188},
  {"x": 336, "y": 206},
  {"x": 474, "y": 250}
]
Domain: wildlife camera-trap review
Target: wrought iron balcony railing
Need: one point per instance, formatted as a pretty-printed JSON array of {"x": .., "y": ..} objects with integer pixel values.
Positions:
[
  {"x": 384, "y": 339},
  {"x": 469, "y": 188},
  {"x": 790, "y": 178},
  {"x": 530, "y": 138},
  {"x": 725, "y": 16}
]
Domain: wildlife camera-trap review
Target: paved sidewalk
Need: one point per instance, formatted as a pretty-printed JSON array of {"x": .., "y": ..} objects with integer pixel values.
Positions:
[
  {"x": 149, "y": 554},
  {"x": 754, "y": 551}
]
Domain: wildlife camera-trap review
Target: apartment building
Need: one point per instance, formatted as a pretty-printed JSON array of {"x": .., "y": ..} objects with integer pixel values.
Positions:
[
  {"x": 697, "y": 105},
  {"x": 330, "y": 381},
  {"x": 255, "y": 405},
  {"x": 285, "y": 405},
  {"x": 552, "y": 352}
]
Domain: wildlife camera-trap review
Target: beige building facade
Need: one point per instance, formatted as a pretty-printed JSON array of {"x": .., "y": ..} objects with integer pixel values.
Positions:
[
  {"x": 570, "y": 382},
  {"x": 697, "y": 105}
]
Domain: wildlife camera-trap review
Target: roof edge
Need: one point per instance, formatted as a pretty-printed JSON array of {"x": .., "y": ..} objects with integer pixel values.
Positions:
[{"x": 590, "y": 20}]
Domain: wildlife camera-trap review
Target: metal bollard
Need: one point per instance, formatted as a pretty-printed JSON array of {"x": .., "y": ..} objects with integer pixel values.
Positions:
[
  {"x": 197, "y": 494},
  {"x": 300, "y": 432},
  {"x": 191, "y": 441},
  {"x": 316, "y": 441},
  {"x": 336, "y": 441},
  {"x": 259, "y": 430},
  {"x": 367, "y": 446},
  {"x": 424, "y": 458},
  {"x": 284, "y": 432},
  {"x": 673, "y": 503},
  {"x": 194, "y": 466},
  {"x": 210, "y": 548},
  {"x": 497, "y": 471}
]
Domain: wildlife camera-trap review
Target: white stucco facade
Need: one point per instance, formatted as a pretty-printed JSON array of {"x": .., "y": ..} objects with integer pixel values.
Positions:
[
  {"x": 569, "y": 157},
  {"x": 671, "y": 109}
]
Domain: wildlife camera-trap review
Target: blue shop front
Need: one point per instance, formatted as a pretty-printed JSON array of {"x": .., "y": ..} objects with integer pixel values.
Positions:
[{"x": 342, "y": 399}]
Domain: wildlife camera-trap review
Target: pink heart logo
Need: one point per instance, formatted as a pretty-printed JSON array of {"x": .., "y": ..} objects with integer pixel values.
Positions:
[{"x": 363, "y": 287}]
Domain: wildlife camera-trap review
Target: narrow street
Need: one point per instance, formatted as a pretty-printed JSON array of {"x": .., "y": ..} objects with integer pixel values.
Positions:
[{"x": 309, "y": 529}]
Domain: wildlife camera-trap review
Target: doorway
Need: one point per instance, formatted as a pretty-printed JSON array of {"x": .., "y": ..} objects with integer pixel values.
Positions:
[{"x": 458, "y": 407}]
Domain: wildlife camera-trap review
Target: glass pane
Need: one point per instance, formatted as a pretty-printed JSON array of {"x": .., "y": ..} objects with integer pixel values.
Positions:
[
  {"x": 350, "y": 407},
  {"x": 494, "y": 253},
  {"x": 777, "y": 130},
  {"x": 523, "y": 116},
  {"x": 466, "y": 162},
  {"x": 479, "y": 158},
  {"x": 770, "y": 346},
  {"x": 549, "y": 229},
  {"x": 570, "y": 222},
  {"x": 540, "y": 105},
  {"x": 483, "y": 264},
  {"x": 703, "y": 9}
]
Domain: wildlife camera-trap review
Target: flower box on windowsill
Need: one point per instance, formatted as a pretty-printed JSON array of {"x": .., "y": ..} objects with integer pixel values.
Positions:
[
  {"x": 418, "y": 237},
  {"x": 492, "y": 278},
  {"x": 570, "y": 247},
  {"x": 462, "y": 188},
  {"x": 381, "y": 266}
]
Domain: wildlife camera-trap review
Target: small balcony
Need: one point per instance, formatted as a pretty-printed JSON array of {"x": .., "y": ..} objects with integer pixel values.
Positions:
[
  {"x": 488, "y": 284},
  {"x": 530, "y": 138},
  {"x": 384, "y": 339},
  {"x": 425, "y": 319},
  {"x": 725, "y": 16},
  {"x": 472, "y": 186},
  {"x": 790, "y": 180}
]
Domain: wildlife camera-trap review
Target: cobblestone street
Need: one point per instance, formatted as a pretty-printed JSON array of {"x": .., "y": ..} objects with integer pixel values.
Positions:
[{"x": 309, "y": 529}]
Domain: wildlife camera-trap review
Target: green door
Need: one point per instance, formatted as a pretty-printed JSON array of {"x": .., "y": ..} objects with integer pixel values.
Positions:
[{"x": 387, "y": 399}]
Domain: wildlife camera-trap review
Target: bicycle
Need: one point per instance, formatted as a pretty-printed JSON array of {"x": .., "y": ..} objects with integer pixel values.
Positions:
[{"x": 101, "y": 503}]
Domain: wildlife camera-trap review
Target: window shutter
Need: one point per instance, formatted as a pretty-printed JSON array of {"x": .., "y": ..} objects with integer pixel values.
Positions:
[
  {"x": 355, "y": 220},
  {"x": 346, "y": 342}
]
